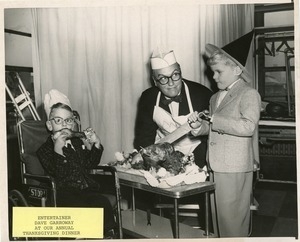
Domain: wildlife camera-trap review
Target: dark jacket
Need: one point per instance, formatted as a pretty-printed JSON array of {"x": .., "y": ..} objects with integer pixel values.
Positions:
[
  {"x": 71, "y": 170},
  {"x": 145, "y": 128}
]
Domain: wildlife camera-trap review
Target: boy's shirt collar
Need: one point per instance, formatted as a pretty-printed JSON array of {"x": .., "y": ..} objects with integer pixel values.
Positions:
[
  {"x": 231, "y": 85},
  {"x": 70, "y": 143}
]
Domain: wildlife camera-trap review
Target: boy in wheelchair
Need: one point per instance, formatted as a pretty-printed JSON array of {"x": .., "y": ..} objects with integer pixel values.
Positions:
[{"x": 68, "y": 160}]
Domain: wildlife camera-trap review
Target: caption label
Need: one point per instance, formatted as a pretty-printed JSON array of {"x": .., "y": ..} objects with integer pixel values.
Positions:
[{"x": 57, "y": 222}]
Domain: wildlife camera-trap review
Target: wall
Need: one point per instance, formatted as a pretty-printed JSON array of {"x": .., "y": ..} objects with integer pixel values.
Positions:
[{"x": 18, "y": 47}]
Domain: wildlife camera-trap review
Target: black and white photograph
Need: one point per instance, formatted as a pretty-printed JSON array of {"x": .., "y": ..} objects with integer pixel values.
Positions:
[{"x": 149, "y": 120}]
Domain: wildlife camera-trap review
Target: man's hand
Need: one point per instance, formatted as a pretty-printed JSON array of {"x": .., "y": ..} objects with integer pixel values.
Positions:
[{"x": 195, "y": 120}]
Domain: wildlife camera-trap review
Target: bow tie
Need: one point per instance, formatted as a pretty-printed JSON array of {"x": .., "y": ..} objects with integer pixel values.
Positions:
[{"x": 172, "y": 99}]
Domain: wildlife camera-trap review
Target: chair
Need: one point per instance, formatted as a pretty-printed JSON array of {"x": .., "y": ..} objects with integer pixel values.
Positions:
[{"x": 39, "y": 189}]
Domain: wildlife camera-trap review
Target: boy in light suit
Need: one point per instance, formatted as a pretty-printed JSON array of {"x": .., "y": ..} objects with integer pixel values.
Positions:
[{"x": 232, "y": 129}]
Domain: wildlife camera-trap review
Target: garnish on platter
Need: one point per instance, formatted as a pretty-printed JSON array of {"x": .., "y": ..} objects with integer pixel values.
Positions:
[{"x": 161, "y": 165}]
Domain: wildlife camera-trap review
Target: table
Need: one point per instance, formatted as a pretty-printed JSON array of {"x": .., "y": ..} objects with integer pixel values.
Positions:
[{"x": 175, "y": 193}]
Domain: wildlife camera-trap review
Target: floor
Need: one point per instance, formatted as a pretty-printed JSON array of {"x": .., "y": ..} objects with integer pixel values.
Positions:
[
  {"x": 277, "y": 211},
  {"x": 276, "y": 215}
]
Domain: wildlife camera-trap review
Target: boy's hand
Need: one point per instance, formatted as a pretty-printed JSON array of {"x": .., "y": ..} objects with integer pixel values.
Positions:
[
  {"x": 194, "y": 120},
  {"x": 92, "y": 137},
  {"x": 59, "y": 139}
]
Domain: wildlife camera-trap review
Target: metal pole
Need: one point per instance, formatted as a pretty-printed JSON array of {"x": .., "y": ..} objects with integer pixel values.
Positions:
[
  {"x": 207, "y": 214},
  {"x": 176, "y": 218},
  {"x": 287, "y": 70}
]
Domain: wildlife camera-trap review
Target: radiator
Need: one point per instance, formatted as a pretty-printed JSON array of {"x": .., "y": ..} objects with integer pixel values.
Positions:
[{"x": 278, "y": 149}]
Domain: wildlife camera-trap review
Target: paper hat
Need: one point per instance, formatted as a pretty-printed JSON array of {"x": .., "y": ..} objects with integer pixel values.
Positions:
[
  {"x": 53, "y": 97},
  {"x": 237, "y": 51},
  {"x": 161, "y": 60}
]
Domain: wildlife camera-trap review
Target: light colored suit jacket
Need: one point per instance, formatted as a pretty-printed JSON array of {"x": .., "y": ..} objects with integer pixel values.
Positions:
[{"x": 233, "y": 133}]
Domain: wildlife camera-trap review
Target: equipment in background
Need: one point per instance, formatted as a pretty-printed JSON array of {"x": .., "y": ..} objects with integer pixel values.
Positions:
[{"x": 20, "y": 96}]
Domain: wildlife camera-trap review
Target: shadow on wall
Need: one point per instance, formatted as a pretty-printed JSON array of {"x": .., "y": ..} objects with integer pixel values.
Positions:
[{"x": 209, "y": 74}]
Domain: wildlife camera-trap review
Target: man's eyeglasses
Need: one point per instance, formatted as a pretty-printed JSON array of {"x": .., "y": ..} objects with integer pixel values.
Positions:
[
  {"x": 165, "y": 79},
  {"x": 59, "y": 120}
]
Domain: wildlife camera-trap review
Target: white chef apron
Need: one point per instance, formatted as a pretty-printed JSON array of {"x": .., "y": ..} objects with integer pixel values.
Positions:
[{"x": 168, "y": 123}]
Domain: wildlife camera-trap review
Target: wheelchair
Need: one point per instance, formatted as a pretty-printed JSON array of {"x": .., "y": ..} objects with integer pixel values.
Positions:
[{"x": 39, "y": 189}]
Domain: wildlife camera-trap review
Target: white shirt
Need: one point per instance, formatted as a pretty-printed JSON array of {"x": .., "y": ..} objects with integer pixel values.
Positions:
[{"x": 174, "y": 107}]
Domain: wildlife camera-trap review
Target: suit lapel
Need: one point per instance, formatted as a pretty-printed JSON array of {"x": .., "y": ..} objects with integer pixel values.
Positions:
[
  {"x": 232, "y": 93},
  {"x": 214, "y": 102},
  {"x": 183, "y": 106}
]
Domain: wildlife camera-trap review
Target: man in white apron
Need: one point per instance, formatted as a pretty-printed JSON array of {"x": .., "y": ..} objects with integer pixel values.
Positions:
[
  {"x": 167, "y": 105},
  {"x": 164, "y": 107}
]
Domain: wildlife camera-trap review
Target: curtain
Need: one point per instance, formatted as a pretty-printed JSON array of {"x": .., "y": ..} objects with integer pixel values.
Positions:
[{"x": 99, "y": 56}]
